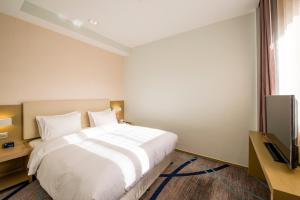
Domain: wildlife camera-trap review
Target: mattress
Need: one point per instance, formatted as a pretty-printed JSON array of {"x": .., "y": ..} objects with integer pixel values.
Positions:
[{"x": 99, "y": 163}]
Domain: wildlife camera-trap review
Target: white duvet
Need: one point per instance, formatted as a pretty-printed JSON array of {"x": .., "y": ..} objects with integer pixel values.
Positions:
[{"x": 99, "y": 163}]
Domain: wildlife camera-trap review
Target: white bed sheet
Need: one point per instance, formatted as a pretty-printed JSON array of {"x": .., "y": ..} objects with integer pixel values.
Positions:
[{"x": 99, "y": 163}]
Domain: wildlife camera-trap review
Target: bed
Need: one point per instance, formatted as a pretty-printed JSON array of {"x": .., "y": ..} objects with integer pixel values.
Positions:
[{"x": 116, "y": 161}]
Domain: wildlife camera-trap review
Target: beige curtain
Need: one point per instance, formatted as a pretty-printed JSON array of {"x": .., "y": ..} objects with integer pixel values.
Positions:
[
  {"x": 288, "y": 48},
  {"x": 279, "y": 51},
  {"x": 286, "y": 11}
]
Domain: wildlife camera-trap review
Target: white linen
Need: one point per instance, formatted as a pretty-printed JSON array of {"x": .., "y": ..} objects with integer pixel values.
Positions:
[
  {"x": 34, "y": 143},
  {"x": 54, "y": 126},
  {"x": 102, "y": 118},
  {"x": 99, "y": 163}
]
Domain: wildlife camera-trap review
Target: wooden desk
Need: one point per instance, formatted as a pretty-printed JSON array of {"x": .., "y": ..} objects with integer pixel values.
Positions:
[
  {"x": 283, "y": 182},
  {"x": 13, "y": 167}
]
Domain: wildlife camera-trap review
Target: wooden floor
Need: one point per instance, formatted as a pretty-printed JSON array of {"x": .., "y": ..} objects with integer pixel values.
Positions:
[{"x": 229, "y": 183}]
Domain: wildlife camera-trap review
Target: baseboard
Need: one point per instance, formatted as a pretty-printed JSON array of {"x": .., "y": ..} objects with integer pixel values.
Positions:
[{"x": 212, "y": 159}]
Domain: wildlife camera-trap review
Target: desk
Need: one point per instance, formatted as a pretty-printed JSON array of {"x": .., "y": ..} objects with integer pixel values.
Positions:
[{"x": 283, "y": 182}]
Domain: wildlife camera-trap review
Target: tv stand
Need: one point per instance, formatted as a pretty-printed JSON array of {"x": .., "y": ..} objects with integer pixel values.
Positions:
[
  {"x": 274, "y": 153},
  {"x": 284, "y": 183}
]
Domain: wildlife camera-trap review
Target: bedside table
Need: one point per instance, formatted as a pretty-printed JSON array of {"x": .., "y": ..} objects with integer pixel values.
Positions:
[{"x": 15, "y": 159}]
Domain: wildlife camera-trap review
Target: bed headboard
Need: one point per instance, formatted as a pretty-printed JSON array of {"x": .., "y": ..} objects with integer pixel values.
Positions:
[{"x": 34, "y": 108}]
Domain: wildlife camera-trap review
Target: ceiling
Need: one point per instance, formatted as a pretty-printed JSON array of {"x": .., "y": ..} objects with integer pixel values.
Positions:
[{"x": 124, "y": 24}]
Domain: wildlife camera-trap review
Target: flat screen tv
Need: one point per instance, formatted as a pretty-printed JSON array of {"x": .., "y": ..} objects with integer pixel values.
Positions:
[{"x": 282, "y": 128}]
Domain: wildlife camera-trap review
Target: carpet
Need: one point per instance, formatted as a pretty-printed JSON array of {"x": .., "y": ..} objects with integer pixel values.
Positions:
[{"x": 187, "y": 178}]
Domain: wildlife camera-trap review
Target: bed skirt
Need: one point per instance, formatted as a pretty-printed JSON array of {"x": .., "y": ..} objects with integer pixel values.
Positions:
[{"x": 146, "y": 181}]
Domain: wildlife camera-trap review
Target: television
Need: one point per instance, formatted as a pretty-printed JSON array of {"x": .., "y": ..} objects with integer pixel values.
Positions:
[{"x": 282, "y": 128}]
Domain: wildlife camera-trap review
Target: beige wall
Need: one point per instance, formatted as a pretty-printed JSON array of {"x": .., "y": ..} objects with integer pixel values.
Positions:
[
  {"x": 38, "y": 64},
  {"x": 200, "y": 85}
]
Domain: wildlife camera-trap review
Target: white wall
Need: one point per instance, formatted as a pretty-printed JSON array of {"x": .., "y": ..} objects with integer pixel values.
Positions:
[{"x": 200, "y": 85}]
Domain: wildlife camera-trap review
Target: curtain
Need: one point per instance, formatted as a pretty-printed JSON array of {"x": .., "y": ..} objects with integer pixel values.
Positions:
[
  {"x": 287, "y": 11},
  {"x": 267, "y": 60},
  {"x": 288, "y": 47}
]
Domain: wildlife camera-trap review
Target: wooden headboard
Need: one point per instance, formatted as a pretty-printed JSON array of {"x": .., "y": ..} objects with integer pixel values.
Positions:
[{"x": 35, "y": 108}]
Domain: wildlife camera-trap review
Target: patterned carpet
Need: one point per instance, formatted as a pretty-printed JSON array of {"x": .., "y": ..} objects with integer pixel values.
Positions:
[{"x": 188, "y": 178}]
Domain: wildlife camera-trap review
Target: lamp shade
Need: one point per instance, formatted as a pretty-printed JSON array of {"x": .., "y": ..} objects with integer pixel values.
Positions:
[
  {"x": 5, "y": 122},
  {"x": 117, "y": 109}
]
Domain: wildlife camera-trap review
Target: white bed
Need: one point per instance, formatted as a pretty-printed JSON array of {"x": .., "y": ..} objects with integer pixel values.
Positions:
[
  {"x": 99, "y": 163},
  {"x": 117, "y": 161}
]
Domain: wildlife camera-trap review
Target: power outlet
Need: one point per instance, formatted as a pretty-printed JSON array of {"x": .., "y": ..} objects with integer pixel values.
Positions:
[{"x": 3, "y": 135}]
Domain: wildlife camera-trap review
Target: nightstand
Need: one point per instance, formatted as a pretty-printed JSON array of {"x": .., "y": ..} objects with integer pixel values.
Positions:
[{"x": 13, "y": 169}]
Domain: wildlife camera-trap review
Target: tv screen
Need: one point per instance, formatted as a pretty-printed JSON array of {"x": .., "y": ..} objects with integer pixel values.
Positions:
[{"x": 282, "y": 126}]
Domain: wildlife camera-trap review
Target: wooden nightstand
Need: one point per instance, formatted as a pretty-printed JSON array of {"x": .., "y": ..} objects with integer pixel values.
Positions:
[{"x": 13, "y": 169}]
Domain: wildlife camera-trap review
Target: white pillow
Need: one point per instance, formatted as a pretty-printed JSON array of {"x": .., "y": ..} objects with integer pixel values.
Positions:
[
  {"x": 92, "y": 123},
  {"x": 102, "y": 118},
  {"x": 54, "y": 126}
]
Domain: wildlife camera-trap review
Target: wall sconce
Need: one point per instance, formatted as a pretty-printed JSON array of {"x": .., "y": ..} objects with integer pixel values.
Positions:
[
  {"x": 5, "y": 122},
  {"x": 117, "y": 109}
]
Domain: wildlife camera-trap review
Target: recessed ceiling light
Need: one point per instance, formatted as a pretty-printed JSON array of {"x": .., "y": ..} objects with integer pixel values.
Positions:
[{"x": 93, "y": 21}]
